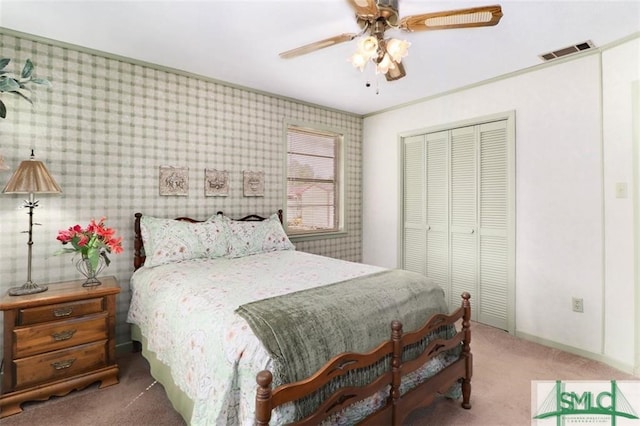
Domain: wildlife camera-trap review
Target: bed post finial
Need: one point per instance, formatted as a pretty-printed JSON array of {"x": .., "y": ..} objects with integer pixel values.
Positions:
[
  {"x": 263, "y": 397},
  {"x": 396, "y": 365}
]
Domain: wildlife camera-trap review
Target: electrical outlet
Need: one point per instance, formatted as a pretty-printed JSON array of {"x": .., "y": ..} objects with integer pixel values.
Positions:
[{"x": 577, "y": 304}]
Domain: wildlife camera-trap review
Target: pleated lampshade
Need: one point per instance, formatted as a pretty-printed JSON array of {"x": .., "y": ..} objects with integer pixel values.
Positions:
[{"x": 32, "y": 177}]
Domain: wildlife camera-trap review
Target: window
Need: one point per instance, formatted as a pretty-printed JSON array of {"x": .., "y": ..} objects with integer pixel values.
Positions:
[{"x": 314, "y": 181}]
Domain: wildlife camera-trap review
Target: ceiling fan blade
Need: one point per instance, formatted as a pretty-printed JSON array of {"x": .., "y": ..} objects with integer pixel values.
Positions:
[
  {"x": 395, "y": 73},
  {"x": 484, "y": 16},
  {"x": 308, "y": 48},
  {"x": 365, "y": 9}
]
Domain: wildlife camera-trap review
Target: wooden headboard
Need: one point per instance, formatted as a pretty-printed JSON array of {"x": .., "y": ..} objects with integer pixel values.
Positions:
[{"x": 138, "y": 246}]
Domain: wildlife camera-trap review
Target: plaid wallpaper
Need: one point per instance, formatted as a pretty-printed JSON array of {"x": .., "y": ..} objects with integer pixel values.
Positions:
[{"x": 108, "y": 124}]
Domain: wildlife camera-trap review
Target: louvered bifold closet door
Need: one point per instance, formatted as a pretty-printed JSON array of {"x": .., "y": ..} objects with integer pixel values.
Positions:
[
  {"x": 459, "y": 212},
  {"x": 494, "y": 225},
  {"x": 463, "y": 217},
  {"x": 415, "y": 224},
  {"x": 438, "y": 211}
]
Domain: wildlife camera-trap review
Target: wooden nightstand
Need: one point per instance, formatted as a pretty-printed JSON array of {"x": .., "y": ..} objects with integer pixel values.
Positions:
[{"x": 58, "y": 341}]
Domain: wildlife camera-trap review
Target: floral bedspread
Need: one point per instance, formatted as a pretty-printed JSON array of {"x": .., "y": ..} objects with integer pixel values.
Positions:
[{"x": 185, "y": 310}]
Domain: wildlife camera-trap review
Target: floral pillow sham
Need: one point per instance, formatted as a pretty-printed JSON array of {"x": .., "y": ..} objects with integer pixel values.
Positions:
[
  {"x": 169, "y": 240},
  {"x": 213, "y": 237},
  {"x": 253, "y": 237}
]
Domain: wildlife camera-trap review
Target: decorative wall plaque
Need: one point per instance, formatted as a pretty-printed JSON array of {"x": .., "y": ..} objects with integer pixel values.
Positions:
[
  {"x": 216, "y": 183},
  {"x": 174, "y": 180},
  {"x": 253, "y": 184}
]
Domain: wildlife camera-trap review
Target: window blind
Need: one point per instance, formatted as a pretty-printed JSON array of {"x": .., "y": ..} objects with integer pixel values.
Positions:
[{"x": 312, "y": 180}]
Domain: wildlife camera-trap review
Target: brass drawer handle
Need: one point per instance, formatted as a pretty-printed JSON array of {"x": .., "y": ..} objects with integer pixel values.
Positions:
[
  {"x": 63, "y": 335},
  {"x": 63, "y": 312},
  {"x": 61, "y": 365}
]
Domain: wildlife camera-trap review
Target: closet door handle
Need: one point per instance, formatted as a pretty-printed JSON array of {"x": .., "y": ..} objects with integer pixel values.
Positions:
[{"x": 472, "y": 231}]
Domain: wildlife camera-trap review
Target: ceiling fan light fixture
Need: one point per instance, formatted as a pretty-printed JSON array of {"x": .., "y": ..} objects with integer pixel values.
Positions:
[
  {"x": 385, "y": 54},
  {"x": 368, "y": 46},
  {"x": 359, "y": 61},
  {"x": 385, "y": 65},
  {"x": 397, "y": 49}
]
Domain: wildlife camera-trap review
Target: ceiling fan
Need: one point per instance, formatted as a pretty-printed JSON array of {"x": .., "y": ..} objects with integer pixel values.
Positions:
[{"x": 377, "y": 16}]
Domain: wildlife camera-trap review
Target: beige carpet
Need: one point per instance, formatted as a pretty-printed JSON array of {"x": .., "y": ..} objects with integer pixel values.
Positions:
[
  {"x": 501, "y": 387},
  {"x": 503, "y": 369},
  {"x": 133, "y": 401}
]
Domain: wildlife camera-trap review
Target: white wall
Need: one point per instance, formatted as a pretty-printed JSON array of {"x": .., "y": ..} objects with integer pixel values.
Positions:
[
  {"x": 621, "y": 72},
  {"x": 563, "y": 195}
]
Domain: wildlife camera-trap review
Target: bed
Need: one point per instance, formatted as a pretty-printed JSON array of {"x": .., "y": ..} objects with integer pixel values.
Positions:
[{"x": 207, "y": 306}]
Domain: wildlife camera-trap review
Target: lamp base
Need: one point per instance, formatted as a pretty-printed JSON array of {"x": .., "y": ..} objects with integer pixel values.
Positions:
[{"x": 27, "y": 288}]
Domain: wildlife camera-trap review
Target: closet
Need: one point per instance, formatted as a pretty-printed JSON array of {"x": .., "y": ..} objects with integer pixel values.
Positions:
[{"x": 458, "y": 213}]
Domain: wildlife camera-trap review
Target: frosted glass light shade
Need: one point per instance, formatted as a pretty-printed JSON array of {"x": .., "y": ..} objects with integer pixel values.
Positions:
[
  {"x": 385, "y": 65},
  {"x": 398, "y": 49},
  {"x": 368, "y": 46},
  {"x": 359, "y": 61}
]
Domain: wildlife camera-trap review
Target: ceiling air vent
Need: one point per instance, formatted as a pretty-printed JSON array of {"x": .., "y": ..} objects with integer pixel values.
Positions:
[{"x": 576, "y": 48}]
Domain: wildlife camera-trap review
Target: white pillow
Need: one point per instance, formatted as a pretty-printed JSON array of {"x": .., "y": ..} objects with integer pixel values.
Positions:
[
  {"x": 213, "y": 237},
  {"x": 252, "y": 237},
  {"x": 169, "y": 240}
]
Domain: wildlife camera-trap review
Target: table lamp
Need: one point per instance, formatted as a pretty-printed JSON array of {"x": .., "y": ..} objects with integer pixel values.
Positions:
[{"x": 31, "y": 177}]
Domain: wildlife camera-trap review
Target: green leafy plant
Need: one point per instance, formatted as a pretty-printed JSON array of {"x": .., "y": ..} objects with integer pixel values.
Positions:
[{"x": 18, "y": 85}]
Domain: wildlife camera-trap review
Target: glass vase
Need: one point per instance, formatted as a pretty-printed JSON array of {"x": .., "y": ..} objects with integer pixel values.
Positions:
[{"x": 91, "y": 274}]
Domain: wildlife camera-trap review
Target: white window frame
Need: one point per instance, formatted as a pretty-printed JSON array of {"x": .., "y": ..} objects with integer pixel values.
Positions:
[{"x": 339, "y": 181}]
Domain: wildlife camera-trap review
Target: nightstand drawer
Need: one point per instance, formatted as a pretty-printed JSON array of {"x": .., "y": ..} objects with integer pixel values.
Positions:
[
  {"x": 60, "y": 311},
  {"x": 60, "y": 334},
  {"x": 60, "y": 364}
]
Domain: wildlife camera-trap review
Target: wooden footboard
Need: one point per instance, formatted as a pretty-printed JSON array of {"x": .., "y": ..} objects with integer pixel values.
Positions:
[{"x": 397, "y": 407}]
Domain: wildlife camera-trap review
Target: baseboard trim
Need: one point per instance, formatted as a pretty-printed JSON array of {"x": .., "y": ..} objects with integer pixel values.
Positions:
[{"x": 626, "y": 368}]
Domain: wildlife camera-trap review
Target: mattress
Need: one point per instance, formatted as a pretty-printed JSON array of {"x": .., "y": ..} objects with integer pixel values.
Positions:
[{"x": 185, "y": 313}]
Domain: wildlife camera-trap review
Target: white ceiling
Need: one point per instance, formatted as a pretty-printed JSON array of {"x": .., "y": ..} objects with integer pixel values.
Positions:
[{"x": 238, "y": 41}]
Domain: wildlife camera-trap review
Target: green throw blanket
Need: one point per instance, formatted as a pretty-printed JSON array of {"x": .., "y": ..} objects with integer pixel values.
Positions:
[{"x": 303, "y": 330}]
